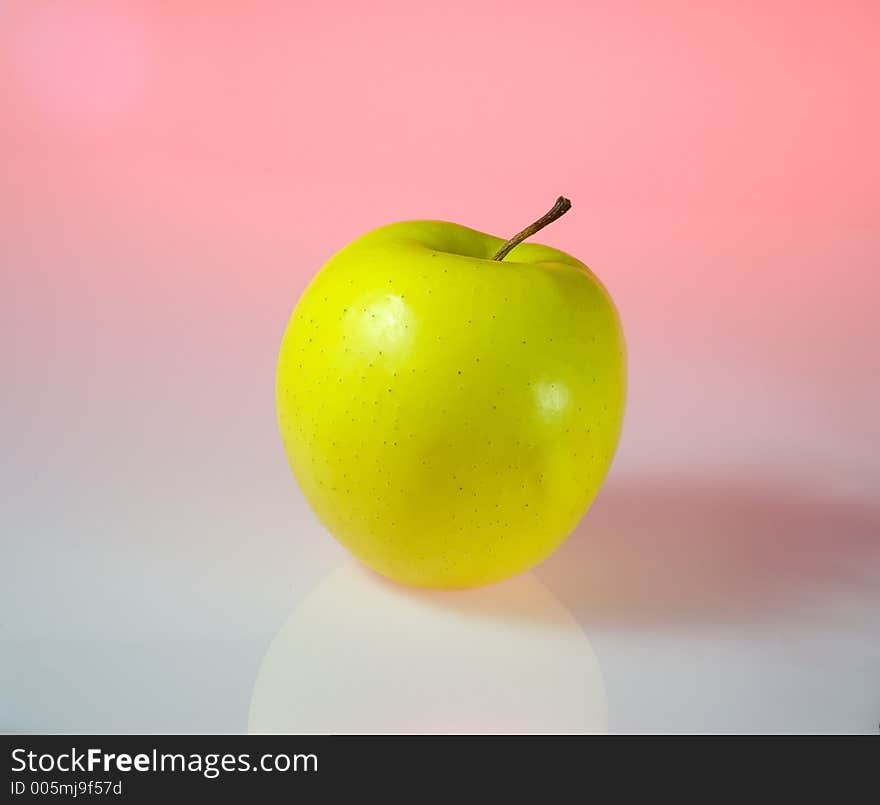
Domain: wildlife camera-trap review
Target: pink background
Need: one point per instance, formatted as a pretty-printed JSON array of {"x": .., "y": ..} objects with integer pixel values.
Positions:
[{"x": 173, "y": 174}]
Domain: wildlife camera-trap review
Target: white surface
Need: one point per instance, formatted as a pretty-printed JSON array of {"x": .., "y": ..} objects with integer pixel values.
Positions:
[{"x": 715, "y": 608}]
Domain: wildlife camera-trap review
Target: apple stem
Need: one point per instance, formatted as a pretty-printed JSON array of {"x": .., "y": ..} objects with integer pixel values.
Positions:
[{"x": 562, "y": 206}]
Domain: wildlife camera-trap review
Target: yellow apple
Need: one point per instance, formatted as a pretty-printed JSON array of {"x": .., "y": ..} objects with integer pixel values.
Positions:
[{"x": 450, "y": 403}]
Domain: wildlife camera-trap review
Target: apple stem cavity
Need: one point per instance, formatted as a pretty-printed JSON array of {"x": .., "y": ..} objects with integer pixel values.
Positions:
[{"x": 562, "y": 206}]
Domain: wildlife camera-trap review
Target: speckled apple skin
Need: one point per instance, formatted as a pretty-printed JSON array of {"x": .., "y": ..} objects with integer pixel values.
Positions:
[{"x": 448, "y": 417}]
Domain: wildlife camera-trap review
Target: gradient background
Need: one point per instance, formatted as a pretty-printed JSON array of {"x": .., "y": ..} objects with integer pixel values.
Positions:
[{"x": 173, "y": 174}]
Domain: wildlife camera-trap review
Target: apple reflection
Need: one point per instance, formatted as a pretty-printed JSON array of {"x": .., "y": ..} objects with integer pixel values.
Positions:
[{"x": 363, "y": 655}]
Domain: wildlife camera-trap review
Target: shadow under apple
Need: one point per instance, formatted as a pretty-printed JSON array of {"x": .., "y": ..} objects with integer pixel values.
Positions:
[{"x": 655, "y": 551}]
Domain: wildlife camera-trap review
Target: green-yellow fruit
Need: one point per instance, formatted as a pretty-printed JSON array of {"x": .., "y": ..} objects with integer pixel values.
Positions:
[{"x": 450, "y": 417}]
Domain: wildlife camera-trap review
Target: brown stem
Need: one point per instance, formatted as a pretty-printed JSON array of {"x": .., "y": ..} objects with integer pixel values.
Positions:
[{"x": 562, "y": 206}]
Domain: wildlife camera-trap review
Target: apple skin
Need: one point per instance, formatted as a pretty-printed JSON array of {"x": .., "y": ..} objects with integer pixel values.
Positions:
[{"x": 450, "y": 418}]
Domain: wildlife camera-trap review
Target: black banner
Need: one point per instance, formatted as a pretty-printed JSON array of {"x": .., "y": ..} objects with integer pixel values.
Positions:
[{"x": 180, "y": 768}]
